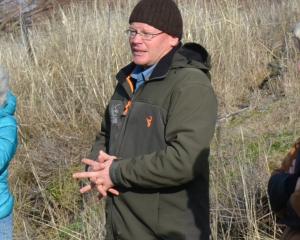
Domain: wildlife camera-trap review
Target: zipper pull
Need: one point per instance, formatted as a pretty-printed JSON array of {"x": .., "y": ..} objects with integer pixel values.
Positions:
[{"x": 127, "y": 107}]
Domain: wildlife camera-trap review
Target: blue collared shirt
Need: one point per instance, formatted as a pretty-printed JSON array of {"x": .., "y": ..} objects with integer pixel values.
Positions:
[{"x": 140, "y": 75}]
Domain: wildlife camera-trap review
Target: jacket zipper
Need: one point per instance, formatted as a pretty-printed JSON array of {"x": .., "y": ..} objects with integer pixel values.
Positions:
[
  {"x": 120, "y": 144},
  {"x": 122, "y": 135}
]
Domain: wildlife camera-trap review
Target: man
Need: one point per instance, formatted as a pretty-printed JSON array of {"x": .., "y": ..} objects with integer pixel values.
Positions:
[
  {"x": 284, "y": 184},
  {"x": 156, "y": 133}
]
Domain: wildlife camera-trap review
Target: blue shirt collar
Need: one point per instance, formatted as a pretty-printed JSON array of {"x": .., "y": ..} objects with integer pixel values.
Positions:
[{"x": 141, "y": 75}]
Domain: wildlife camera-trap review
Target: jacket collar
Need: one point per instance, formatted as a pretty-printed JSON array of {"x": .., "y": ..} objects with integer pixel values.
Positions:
[
  {"x": 163, "y": 66},
  {"x": 159, "y": 72}
]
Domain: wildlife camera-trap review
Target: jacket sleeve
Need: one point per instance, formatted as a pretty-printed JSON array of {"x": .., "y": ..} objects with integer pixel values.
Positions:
[
  {"x": 280, "y": 187},
  {"x": 189, "y": 129},
  {"x": 102, "y": 138},
  {"x": 8, "y": 141}
]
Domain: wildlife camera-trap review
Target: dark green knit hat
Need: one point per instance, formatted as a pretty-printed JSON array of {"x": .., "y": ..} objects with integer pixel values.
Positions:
[{"x": 161, "y": 14}]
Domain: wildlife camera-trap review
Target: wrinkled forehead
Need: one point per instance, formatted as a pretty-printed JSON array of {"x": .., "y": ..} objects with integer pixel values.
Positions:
[{"x": 143, "y": 27}]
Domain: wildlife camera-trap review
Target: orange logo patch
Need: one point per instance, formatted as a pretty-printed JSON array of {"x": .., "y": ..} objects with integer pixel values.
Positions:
[{"x": 149, "y": 121}]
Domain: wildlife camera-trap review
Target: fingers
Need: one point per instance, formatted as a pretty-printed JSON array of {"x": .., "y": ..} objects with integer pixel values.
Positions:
[
  {"x": 94, "y": 164},
  {"x": 96, "y": 172},
  {"x": 81, "y": 175},
  {"x": 86, "y": 188},
  {"x": 99, "y": 185},
  {"x": 113, "y": 191},
  {"x": 103, "y": 156},
  {"x": 101, "y": 190},
  {"x": 93, "y": 180},
  {"x": 89, "y": 161}
]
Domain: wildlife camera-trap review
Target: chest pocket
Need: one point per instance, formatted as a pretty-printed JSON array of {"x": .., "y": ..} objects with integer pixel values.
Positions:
[{"x": 115, "y": 113}]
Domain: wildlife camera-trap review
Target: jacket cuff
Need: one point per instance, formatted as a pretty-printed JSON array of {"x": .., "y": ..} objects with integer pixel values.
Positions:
[{"x": 114, "y": 173}]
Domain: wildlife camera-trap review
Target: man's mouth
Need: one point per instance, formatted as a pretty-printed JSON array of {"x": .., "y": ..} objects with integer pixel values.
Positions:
[{"x": 137, "y": 52}]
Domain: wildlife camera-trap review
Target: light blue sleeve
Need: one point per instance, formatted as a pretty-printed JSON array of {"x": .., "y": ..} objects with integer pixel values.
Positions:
[{"x": 8, "y": 141}]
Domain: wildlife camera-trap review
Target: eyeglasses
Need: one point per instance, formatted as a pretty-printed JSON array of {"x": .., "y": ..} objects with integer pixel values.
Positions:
[{"x": 131, "y": 33}]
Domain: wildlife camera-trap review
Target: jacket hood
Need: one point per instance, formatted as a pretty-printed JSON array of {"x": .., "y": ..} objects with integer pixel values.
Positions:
[
  {"x": 10, "y": 106},
  {"x": 192, "y": 55}
]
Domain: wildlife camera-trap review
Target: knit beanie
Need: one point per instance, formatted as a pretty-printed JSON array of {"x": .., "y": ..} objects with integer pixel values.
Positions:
[{"x": 161, "y": 14}]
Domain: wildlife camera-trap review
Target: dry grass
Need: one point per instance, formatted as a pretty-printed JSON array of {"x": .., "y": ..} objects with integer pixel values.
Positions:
[{"x": 63, "y": 90}]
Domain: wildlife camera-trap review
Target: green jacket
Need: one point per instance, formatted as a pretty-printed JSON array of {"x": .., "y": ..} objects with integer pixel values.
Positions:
[{"x": 161, "y": 139}]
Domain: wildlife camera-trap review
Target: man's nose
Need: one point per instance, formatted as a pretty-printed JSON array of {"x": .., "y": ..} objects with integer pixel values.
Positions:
[{"x": 136, "y": 39}]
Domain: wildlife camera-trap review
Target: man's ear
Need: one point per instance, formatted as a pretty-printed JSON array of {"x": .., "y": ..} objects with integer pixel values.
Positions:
[{"x": 174, "y": 41}]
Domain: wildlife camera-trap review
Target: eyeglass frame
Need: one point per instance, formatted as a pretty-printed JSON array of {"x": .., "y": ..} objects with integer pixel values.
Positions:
[{"x": 132, "y": 33}]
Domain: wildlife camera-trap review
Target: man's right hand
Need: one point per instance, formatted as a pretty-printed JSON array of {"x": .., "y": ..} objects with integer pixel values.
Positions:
[{"x": 94, "y": 174}]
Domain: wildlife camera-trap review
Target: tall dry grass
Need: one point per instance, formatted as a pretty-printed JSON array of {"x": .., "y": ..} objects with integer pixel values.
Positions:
[{"x": 62, "y": 93}]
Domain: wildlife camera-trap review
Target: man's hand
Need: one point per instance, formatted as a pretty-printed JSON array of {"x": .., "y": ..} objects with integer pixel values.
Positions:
[
  {"x": 107, "y": 183},
  {"x": 97, "y": 165},
  {"x": 93, "y": 166},
  {"x": 98, "y": 174}
]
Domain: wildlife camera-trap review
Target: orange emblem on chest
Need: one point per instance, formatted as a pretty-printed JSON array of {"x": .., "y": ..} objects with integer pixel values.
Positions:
[{"x": 149, "y": 121}]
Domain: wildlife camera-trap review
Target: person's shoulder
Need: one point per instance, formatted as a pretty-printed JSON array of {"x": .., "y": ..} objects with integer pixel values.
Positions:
[{"x": 195, "y": 76}]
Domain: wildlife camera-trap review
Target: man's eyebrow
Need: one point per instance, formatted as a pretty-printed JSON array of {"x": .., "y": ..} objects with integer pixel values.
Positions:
[{"x": 141, "y": 30}]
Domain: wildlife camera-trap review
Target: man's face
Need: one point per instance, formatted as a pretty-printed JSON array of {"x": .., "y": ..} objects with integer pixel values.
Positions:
[{"x": 146, "y": 52}]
